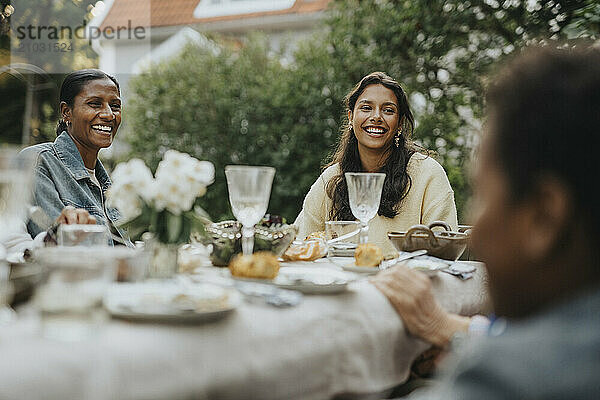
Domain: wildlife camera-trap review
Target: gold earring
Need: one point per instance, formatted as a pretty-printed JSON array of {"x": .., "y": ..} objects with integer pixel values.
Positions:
[{"x": 397, "y": 138}]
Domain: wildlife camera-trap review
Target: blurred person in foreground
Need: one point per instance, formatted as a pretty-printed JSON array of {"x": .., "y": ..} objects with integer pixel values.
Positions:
[
  {"x": 377, "y": 138},
  {"x": 536, "y": 232},
  {"x": 68, "y": 171}
]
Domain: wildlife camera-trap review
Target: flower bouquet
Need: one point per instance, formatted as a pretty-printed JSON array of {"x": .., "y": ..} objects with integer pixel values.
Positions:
[{"x": 165, "y": 205}]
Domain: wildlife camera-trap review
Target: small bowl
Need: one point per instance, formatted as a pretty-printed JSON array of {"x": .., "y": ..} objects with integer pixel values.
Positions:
[
  {"x": 226, "y": 239},
  {"x": 446, "y": 244}
]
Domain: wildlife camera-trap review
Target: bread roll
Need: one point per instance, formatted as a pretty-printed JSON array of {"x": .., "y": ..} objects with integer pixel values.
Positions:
[
  {"x": 368, "y": 255},
  {"x": 260, "y": 265}
]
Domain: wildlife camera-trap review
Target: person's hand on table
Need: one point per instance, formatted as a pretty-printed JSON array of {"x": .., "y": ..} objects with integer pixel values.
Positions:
[
  {"x": 411, "y": 294},
  {"x": 71, "y": 215},
  {"x": 68, "y": 216}
]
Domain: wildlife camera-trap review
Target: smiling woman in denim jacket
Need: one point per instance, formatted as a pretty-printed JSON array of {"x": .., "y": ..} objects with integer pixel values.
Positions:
[{"x": 68, "y": 172}]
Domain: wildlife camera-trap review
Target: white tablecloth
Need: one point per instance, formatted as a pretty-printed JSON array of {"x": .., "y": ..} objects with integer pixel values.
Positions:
[{"x": 352, "y": 342}]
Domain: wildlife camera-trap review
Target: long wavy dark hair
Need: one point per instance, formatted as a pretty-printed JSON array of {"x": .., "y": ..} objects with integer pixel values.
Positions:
[{"x": 397, "y": 181}]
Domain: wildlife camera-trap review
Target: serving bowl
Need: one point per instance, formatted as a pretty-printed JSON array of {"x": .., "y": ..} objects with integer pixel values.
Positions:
[
  {"x": 445, "y": 244},
  {"x": 226, "y": 239}
]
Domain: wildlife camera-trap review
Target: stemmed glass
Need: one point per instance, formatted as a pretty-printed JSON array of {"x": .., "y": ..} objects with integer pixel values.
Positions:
[
  {"x": 249, "y": 191},
  {"x": 16, "y": 179},
  {"x": 364, "y": 193}
]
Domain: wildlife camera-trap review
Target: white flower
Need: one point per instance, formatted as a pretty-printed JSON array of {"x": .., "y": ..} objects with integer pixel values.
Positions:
[
  {"x": 125, "y": 199},
  {"x": 180, "y": 179},
  {"x": 204, "y": 171},
  {"x": 137, "y": 175},
  {"x": 189, "y": 173}
]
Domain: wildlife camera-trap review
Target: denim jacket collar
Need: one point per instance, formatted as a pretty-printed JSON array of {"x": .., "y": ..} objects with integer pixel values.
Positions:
[{"x": 68, "y": 153}]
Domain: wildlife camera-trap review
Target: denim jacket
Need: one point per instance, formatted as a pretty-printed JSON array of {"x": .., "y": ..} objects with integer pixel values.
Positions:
[{"x": 62, "y": 180}]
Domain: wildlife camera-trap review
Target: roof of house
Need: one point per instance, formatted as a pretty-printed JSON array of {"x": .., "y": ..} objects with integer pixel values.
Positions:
[{"x": 181, "y": 12}]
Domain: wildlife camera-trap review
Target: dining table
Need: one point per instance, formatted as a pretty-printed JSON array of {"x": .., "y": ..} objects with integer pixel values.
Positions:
[{"x": 351, "y": 343}]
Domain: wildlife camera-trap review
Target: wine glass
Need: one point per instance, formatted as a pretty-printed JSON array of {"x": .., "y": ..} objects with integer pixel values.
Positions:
[
  {"x": 249, "y": 191},
  {"x": 364, "y": 193},
  {"x": 16, "y": 179}
]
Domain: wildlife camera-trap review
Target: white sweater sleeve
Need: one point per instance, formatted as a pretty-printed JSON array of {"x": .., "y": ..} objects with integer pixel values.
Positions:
[
  {"x": 314, "y": 208},
  {"x": 17, "y": 240}
]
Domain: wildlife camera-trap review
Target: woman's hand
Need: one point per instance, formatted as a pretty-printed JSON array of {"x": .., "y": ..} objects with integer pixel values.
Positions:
[
  {"x": 411, "y": 294},
  {"x": 71, "y": 215}
]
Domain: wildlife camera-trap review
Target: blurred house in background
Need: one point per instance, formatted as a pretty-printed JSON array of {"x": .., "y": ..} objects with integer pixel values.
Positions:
[{"x": 174, "y": 23}]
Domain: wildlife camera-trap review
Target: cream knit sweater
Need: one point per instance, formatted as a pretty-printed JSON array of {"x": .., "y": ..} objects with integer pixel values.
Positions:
[{"x": 430, "y": 198}]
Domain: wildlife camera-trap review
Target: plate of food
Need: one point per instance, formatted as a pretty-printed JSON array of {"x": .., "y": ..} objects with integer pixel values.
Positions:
[
  {"x": 264, "y": 267},
  {"x": 170, "y": 302},
  {"x": 367, "y": 259},
  {"x": 310, "y": 249},
  {"x": 352, "y": 267}
]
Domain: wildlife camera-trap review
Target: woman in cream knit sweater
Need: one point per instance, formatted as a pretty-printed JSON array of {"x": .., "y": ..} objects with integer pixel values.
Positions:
[{"x": 377, "y": 139}]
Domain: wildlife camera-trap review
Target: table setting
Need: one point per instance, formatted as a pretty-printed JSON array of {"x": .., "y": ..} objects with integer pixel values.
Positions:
[{"x": 202, "y": 309}]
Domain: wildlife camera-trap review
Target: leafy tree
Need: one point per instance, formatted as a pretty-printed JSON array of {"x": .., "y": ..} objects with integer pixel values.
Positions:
[
  {"x": 442, "y": 51},
  {"x": 39, "y": 13},
  {"x": 234, "y": 107},
  {"x": 254, "y": 106}
]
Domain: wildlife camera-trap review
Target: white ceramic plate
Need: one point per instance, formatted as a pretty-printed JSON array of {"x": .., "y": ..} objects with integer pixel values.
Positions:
[
  {"x": 308, "y": 280},
  {"x": 427, "y": 265},
  {"x": 362, "y": 270},
  {"x": 156, "y": 302}
]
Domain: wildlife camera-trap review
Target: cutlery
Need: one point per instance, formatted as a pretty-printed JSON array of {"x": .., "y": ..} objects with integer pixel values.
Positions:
[
  {"x": 253, "y": 291},
  {"x": 269, "y": 294},
  {"x": 385, "y": 264},
  {"x": 460, "y": 270},
  {"x": 343, "y": 237}
]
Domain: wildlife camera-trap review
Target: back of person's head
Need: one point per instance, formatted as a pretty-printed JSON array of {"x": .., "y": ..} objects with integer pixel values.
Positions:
[
  {"x": 544, "y": 117},
  {"x": 74, "y": 83}
]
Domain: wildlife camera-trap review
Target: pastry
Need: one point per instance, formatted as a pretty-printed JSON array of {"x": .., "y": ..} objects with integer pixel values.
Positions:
[
  {"x": 317, "y": 235},
  {"x": 368, "y": 255},
  {"x": 306, "y": 251},
  {"x": 260, "y": 265}
]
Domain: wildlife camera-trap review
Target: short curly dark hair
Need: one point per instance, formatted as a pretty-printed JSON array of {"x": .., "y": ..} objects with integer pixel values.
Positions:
[{"x": 544, "y": 119}]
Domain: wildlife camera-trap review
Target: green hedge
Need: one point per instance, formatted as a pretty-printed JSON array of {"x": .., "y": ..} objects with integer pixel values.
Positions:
[{"x": 253, "y": 106}]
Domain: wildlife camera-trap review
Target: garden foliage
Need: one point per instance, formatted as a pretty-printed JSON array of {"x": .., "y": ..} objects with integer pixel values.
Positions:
[{"x": 253, "y": 105}]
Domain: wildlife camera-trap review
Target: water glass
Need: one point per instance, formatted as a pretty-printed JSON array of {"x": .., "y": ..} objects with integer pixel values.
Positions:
[
  {"x": 69, "y": 302},
  {"x": 16, "y": 181},
  {"x": 249, "y": 191},
  {"x": 83, "y": 235},
  {"x": 364, "y": 194},
  {"x": 339, "y": 229},
  {"x": 7, "y": 314}
]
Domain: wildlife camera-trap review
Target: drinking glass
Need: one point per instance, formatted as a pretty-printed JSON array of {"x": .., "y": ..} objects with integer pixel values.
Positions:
[
  {"x": 364, "y": 193},
  {"x": 249, "y": 191},
  {"x": 16, "y": 180},
  {"x": 345, "y": 233},
  {"x": 83, "y": 235},
  {"x": 6, "y": 290},
  {"x": 69, "y": 301}
]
